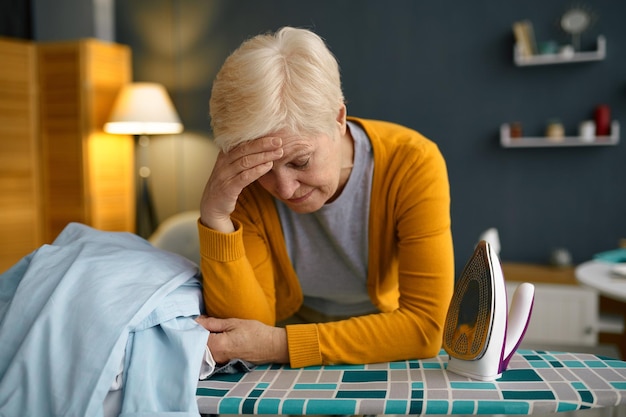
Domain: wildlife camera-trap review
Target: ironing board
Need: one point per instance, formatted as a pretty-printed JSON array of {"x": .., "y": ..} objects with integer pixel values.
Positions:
[{"x": 535, "y": 382}]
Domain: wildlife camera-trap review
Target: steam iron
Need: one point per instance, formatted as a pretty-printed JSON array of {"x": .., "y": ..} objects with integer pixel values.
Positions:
[{"x": 481, "y": 334}]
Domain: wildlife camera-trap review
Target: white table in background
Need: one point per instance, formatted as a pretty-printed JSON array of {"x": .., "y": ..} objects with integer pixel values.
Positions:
[{"x": 598, "y": 275}]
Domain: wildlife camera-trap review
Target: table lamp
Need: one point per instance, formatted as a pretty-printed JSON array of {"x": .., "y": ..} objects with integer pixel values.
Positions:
[{"x": 143, "y": 109}]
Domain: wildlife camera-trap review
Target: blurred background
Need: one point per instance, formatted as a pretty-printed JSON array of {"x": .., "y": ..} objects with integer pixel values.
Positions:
[{"x": 444, "y": 68}]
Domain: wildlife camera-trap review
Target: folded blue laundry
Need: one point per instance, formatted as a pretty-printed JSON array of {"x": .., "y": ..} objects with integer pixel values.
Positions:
[{"x": 615, "y": 255}]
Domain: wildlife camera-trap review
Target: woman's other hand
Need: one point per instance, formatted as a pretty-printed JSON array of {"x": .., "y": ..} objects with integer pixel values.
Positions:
[
  {"x": 234, "y": 171},
  {"x": 249, "y": 340}
]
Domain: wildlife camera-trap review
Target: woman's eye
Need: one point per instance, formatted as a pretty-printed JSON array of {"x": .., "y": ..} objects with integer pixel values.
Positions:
[{"x": 300, "y": 164}]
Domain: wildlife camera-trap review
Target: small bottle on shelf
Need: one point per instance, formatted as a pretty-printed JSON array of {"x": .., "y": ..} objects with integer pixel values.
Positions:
[
  {"x": 602, "y": 117},
  {"x": 516, "y": 130}
]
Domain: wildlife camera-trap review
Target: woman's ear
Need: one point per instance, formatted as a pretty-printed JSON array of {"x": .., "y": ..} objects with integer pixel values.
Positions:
[{"x": 341, "y": 118}]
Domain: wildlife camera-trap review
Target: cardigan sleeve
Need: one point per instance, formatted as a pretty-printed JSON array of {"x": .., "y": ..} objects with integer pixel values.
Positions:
[{"x": 230, "y": 285}]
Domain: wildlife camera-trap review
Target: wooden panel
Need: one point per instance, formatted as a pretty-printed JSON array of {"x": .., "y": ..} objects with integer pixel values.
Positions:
[
  {"x": 20, "y": 226},
  {"x": 56, "y": 164},
  {"x": 61, "y": 137},
  {"x": 106, "y": 69},
  {"x": 110, "y": 157},
  {"x": 87, "y": 175}
]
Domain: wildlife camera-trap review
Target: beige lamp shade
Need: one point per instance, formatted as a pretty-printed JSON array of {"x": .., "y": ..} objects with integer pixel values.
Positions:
[{"x": 143, "y": 109}]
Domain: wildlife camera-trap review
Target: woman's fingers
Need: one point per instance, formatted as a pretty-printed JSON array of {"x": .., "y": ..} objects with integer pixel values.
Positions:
[
  {"x": 213, "y": 324},
  {"x": 240, "y": 167},
  {"x": 256, "y": 153},
  {"x": 249, "y": 340},
  {"x": 234, "y": 171}
]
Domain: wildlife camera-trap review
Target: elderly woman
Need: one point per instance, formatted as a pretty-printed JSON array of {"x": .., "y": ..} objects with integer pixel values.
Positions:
[{"x": 324, "y": 238}]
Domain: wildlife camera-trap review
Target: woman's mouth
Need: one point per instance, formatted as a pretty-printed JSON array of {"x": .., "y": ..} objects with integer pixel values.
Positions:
[{"x": 298, "y": 200}]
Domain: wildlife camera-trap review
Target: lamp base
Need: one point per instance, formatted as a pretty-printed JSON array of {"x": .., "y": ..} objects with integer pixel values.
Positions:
[{"x": 146, "y": 221}]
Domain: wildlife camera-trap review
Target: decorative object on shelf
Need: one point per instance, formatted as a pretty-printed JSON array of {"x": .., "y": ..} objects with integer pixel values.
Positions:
[
  {"x": 506, "y": 141},
  {"x": 555, "y": 131},
  {"x": 567, "y": 52},
  {"x": 587, "y": 130},
  {"x": 576, "y": 20},
  {"x": 525, "y": 38},
  {"x": 548, "y": 47},
  {"x": 602, "y": 115},
  {"x": 143, "y": 109}
]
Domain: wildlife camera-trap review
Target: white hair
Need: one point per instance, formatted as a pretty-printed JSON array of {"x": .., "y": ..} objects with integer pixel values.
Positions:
[{"x": 287, "y": 80}]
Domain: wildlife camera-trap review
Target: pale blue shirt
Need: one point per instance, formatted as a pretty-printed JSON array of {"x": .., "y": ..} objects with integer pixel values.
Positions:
[{"x": 73, "y": 311}]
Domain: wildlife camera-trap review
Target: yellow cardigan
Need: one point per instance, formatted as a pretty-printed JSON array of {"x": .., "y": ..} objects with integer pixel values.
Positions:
[{"x": 248, "y": 274}]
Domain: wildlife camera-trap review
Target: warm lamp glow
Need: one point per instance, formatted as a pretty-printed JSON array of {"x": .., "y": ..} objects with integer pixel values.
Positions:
[{"x": 143, "y": 109}]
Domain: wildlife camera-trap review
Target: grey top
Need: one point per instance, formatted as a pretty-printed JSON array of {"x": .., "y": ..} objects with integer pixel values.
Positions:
[{"x": 329, "y": 248}]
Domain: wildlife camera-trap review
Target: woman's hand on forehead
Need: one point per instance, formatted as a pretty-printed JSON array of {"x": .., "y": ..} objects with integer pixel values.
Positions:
[
  {"x": 234, "y": 171},
  {"x": 257, "y": 146}
]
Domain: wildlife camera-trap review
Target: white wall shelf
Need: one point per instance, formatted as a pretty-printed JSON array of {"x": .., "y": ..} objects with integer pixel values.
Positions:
[
  {"x": 561, "y": 58},
  {"x": 506, "y": 141}
]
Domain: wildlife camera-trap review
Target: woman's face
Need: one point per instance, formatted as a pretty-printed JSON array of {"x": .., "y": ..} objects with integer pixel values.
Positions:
[{"x": 309, "y": 174}]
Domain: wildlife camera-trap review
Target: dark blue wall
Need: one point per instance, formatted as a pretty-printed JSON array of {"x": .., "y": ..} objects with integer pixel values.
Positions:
[{"x": 444, "y": 68}]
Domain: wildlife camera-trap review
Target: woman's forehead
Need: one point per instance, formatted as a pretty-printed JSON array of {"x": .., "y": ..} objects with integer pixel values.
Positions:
[{"x": 297, "y": 145}]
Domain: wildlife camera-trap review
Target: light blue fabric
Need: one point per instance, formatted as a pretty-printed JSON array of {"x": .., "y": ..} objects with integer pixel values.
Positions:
[{"x": 70, "y": 312}]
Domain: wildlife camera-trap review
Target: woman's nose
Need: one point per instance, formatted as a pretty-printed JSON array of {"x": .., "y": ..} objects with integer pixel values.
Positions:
[{"x": 285, "y": 184}]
